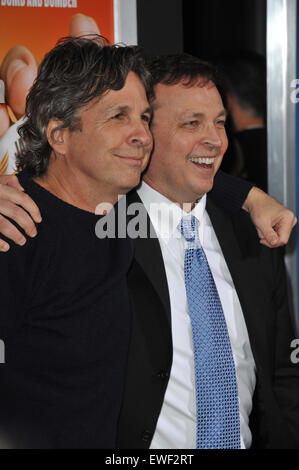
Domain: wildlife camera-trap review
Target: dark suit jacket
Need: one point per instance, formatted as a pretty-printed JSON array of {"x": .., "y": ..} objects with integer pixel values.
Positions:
[{"x": 259, "y": 277}]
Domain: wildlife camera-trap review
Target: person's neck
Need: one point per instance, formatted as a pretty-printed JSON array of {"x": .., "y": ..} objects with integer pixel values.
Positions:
[
  {"x": 74, "y": 187},
  {"x": 186, "y": 206}
]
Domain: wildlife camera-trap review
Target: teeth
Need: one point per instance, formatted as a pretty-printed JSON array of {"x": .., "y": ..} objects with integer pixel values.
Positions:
[{"x": 207, "y": 161}]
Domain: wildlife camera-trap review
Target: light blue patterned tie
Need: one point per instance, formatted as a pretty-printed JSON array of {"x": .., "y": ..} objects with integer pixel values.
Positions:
[{"x": 218, "y": 421}]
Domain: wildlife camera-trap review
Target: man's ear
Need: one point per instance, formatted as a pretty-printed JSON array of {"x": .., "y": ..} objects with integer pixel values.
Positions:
[{"x": 57, "y": 136}]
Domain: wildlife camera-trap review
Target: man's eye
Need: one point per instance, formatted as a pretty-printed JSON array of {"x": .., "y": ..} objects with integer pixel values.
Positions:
[
  {"x": 146, "y": 118},
  {"x": 221, "y": 123},
  {"x": 118, "y": 116},
  {"x": 191, "y": 123}
]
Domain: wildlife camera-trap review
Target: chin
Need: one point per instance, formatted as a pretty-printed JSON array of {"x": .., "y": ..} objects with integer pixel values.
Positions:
[
  {"x": 128, "y": 185},
  {"x": 206, "y": 188},
  {"x": 134, "y": 179}
]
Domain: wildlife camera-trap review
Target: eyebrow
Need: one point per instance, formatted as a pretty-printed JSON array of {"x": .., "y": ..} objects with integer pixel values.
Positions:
[
  {"x": 223, "y": 113},
  {"x": 125, "y": 108},
  {"x": 189, "y": 115},
  {"x": 117, "y": 109}
]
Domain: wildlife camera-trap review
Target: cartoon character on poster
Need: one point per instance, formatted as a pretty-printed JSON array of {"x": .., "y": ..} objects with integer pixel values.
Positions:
[{"x": 18, "y": 70}]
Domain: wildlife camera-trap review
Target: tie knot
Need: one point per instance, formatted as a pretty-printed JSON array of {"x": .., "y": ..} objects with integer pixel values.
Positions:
[{"x": 189, "y": 228}]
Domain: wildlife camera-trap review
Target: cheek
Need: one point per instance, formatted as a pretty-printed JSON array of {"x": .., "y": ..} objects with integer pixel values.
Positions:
[
  {"x": 178, "y": 147},
  {"x": 112, "y": 139},
  {"x": 162, "y": 134},
  {"x": 82, "y": 150}
]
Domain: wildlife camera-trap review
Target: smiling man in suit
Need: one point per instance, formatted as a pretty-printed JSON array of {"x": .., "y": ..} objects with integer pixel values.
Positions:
[{"x": 209, "y": 363}]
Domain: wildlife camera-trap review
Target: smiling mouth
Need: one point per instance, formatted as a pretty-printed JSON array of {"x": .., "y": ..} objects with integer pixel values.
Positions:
[
  {"x": 203, "y": 162},
  {"x": 133, "y": 161}
]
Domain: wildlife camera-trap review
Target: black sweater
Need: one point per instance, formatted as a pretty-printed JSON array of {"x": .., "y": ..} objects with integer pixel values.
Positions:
[{"x": 65, "y": 322}]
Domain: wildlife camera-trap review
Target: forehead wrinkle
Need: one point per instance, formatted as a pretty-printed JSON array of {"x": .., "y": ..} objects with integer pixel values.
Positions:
[
  {"x": 191, "y": 114},
  {"x": 118, "y": 107},
  {"x": 124, "y": 108}
]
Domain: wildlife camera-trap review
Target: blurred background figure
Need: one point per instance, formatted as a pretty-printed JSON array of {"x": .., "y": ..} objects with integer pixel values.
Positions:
[{"x": 245, "y": 94}]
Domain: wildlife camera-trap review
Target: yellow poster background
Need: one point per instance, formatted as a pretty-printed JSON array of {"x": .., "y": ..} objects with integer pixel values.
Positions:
[{"x": 39, "y": 28}]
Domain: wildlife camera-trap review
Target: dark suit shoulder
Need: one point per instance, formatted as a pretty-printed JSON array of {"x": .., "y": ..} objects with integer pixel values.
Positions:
[
  {"x": 240, "y": 224},
  {"x": 249, "y": 242},
  {"x": 241, "y": 246}
]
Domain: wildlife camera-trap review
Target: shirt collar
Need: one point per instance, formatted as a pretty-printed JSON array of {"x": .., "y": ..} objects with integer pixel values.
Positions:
[{"x": 164, "y": 214}]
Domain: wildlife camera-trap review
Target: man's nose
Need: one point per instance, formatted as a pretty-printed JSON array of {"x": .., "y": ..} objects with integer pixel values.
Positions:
[
  {"x": 141, "y": 135},
  {"x": 212, "y": 136}
]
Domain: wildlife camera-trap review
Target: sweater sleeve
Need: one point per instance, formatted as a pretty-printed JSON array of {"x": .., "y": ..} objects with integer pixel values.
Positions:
[
  {"x": 230, "y": 192},
  {"x": 21, "y": 268},
  {"x": 13, "y": 289}
]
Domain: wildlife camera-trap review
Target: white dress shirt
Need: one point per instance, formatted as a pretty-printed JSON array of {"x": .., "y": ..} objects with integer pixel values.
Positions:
[{"x": 176, "y": 427}]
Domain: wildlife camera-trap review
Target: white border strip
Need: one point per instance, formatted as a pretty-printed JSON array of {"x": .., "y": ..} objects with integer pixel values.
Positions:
[
  {"x": 281, "y": 71},
  {"x": 125, "y": 22}
]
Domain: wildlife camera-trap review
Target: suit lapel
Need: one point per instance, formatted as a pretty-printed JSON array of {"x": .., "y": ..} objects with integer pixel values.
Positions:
[
  {"x": 243, "y": 269},
  {"x": 245, "y": 275},
  {"x": 149, "y": 256}
]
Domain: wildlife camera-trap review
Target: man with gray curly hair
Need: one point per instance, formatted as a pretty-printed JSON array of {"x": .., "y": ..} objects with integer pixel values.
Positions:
[{"x": 65, "y": 311}]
